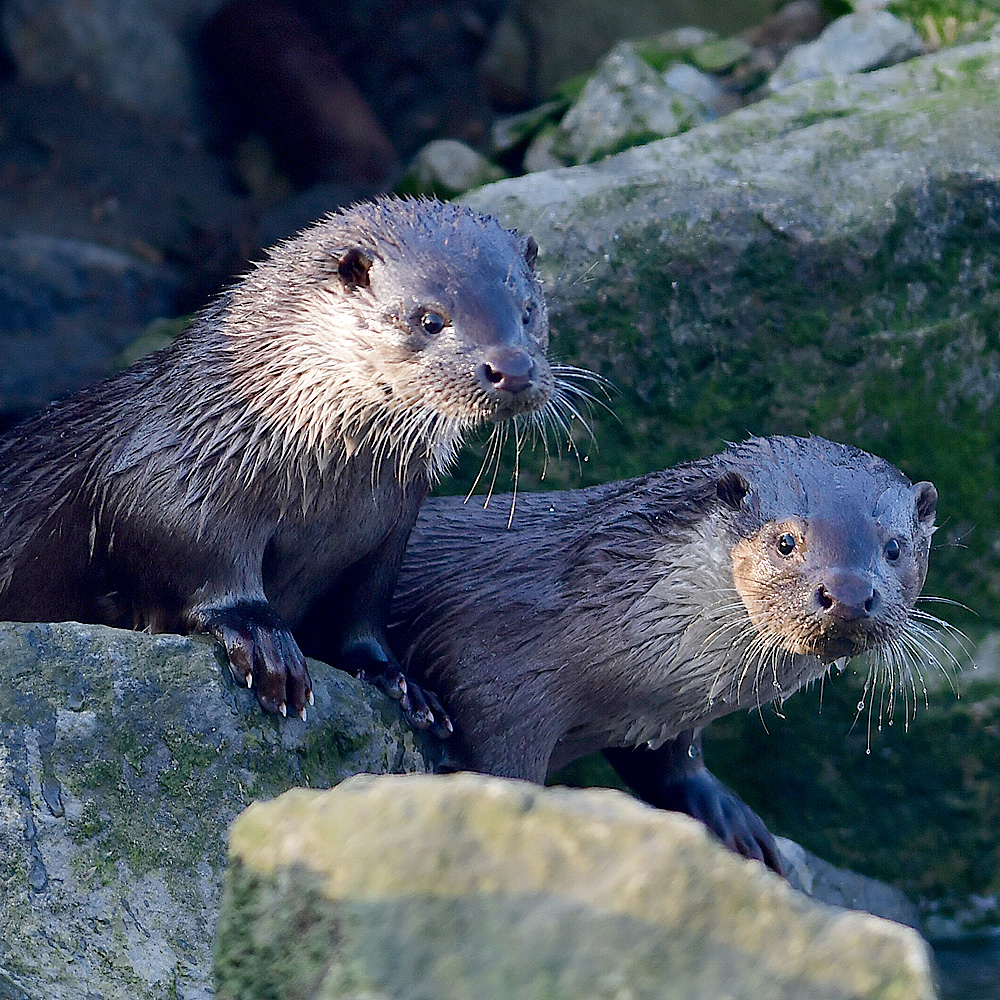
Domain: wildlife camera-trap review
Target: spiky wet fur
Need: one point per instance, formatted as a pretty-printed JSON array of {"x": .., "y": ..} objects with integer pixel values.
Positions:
[
  {"x": 609, "y": 616},
  {"x": 275, "y": 444}
]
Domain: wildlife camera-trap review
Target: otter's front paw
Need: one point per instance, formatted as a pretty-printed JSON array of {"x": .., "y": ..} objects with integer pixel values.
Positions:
[
  {"x": 368, "y": 660},
  {"x": 262, "y": 654},
  {"x": 704, "y": 797}
]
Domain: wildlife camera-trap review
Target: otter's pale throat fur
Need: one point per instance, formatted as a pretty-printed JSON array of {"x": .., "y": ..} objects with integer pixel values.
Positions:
[
  {"x": 258, "y": 479},
  {"x": 629, "y": 615}
]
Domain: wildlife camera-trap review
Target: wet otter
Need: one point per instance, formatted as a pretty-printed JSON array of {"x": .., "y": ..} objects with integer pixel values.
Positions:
[
  {"x": 630, "y": 615},
  {"x": 260, "y": 476}
]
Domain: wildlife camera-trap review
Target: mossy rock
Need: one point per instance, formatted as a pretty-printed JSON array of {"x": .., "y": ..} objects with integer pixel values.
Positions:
[
  {"x": 123, "y": 759},
  {"x": 458, "y": 886}
]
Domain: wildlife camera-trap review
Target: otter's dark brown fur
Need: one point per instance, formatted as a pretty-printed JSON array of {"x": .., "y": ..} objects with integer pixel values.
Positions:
[
  {"x": 260, "y": 477},
  {"x": 629, "y": 615}
]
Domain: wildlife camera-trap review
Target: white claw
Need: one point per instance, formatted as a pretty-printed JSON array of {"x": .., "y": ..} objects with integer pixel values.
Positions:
[
  {"x": 249, "y": 680},
  {"x": 302, "y": 714},
  {"x": 312, "y": 698},
  {"x": 283, "y": 708}
]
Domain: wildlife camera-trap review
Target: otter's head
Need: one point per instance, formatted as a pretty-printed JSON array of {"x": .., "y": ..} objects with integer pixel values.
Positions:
[
  {"x": 832, "y": 544},
  {"x": 453, "y": 311},
  {"x": 395, "y": 327}
]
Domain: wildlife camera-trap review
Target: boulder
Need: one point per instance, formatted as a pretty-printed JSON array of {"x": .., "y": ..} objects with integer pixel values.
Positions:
[
  {"x": 825, "y": 261},
  {"x": 449, "y": 887},
  {"x": 851, "y": 44},
  {"x": 123, "y": 759}
]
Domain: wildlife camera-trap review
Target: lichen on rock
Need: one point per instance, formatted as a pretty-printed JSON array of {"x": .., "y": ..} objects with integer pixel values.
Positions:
[
  {"x": 463, "y": 886},
  {"x": 123, "y": 759}
]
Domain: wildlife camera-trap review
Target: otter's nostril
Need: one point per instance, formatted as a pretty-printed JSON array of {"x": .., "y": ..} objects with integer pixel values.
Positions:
[
  {"x": 492, "y": 375},
  {"x": 823, "y": 598},
  {"x": 869, "y": 604}
]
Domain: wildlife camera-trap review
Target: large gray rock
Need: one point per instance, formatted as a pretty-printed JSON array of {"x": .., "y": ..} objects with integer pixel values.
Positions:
[
  {"x": 827, "y": 260},
  {"x": 123, "y": 759},
  {"x": 453, "y": 887}
]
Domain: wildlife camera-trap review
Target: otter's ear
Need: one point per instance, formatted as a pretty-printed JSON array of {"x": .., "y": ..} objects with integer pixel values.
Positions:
[
  {"x": 732, "y": 488},
  {"x": 925, "y": 496},
  {"x": 353, "y": 268},
  {"x": 530, "y": 250}
]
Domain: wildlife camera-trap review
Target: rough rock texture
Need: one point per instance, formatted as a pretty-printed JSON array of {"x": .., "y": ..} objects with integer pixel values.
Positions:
[
  {"x": 824, "y": 261},
  {"x": 463, "y": 886},
  {"x": 123, "y": 758},
  {"x": 624, "y": 101}
]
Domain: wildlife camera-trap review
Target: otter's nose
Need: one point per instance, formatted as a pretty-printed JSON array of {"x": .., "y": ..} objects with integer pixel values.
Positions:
[
  {"x": 507, "y": 368},
  {"x": 846, "y": 596}
]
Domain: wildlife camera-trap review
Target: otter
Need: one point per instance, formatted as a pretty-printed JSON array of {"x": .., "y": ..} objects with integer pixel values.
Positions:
[
  {"x": 625, "y": 617},
  {"x": 257, "y": 480}
]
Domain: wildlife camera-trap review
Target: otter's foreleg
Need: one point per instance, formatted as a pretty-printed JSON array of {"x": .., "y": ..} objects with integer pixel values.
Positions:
[
  {"x": 262, "y": 653},
  {"x": 364, "y": 649},
  {"x": 674, "y": 776}
]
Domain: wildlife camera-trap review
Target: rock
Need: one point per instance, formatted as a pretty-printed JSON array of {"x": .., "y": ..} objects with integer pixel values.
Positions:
[
  {"x": 568, "y": 37},
  {"x": 768, "y": 272},
  {"x": 720, "y": 55},
  {"x": 123, "y": 759},
  {"x": 463, "y": 886},
  {"x": 853, "y": 43},
  {"x": 703, "y": 87},
  {"x": 447, "y": 167},
  {"x": 122, "y": 49},
  {"x": 542, "y": 153},
  {"x": 67, "y": 309},
  {"x": 626, "y": 101},
  {"x": 826, "y": 883}
]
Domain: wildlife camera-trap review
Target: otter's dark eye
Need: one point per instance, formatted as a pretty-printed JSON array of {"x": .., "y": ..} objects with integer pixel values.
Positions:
[
  {"x": 528, "y": 314},
  {"x": 431, "y": 322},
  {"x": 892, "y": 550},
  {"x": 786, "y": 544}
]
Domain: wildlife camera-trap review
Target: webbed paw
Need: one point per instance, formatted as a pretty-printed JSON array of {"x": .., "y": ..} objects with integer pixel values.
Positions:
[
  {"x": 707, "y": 799},
  {"x": 368, "y": 660},
  {"x": 263, "y": 655}
]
